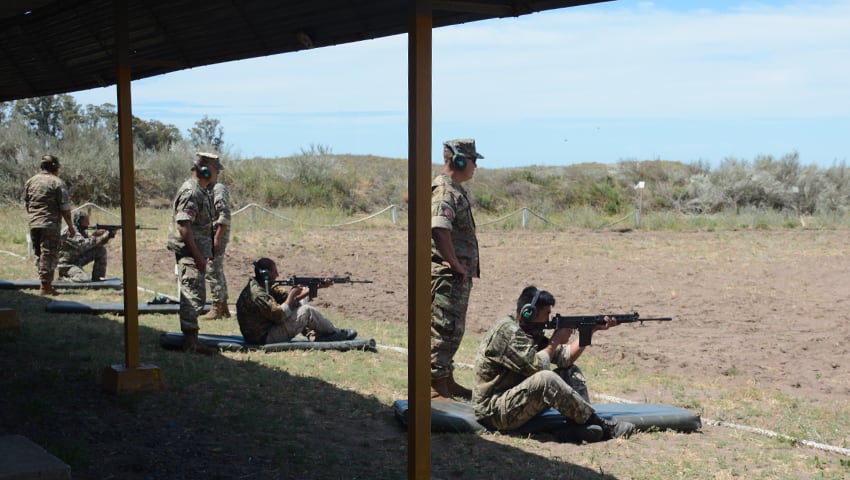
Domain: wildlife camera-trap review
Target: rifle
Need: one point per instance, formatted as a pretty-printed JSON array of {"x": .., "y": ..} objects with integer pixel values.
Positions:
[
  {"x": 313, "y": 283},
  {"x": 113, "y": 228},
  {"x": 585, "y": 323}
]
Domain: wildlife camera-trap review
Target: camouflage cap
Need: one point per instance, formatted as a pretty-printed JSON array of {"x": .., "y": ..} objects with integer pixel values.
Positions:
[
  {"x": 209, "y": 158},
  {"x": 466, "y": 146}
]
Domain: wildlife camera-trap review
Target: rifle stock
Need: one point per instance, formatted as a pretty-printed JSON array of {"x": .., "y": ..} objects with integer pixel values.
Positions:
[
  {"x": 585, "y": 323},
  {"x": 312, "y": 283}
]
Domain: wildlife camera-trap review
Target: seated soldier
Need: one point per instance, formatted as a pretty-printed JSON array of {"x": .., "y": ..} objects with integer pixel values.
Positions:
[
  {"x": 268, "y": 313},
  {"x": 514, "y": 381},
  {"x": 80, "y": 249}
]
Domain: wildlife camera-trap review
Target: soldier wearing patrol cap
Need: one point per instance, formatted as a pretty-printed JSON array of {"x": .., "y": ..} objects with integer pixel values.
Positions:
[
  {"x": 48, "y": 202},
  {"x": 221, "y": 237},
  {"x": 190, "y": 238},
  {"x": 454, "y": 262}
]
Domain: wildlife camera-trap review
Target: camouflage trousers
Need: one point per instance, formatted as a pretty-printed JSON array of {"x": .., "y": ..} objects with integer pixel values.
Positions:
[
  {"x": 449, "y": 302},
  {"x": 46, "y": 243},
  {"x": 307, "y": 321},
  {"x": 215, "y": 277},
  {"x": 537, "y": 393},
  {"x": 193, "y": 293},
  {"x": 75, "y": 272}
]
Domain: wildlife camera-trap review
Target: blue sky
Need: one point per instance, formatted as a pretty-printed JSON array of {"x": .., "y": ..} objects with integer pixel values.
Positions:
[{"x": 623, "y": 80}]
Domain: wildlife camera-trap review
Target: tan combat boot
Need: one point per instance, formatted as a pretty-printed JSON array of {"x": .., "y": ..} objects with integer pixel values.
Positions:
[
  {"x": 440, "y": 390},
  {"x": 215, "y": 312},
  {"x": 192, "y": 344},
  {"x": 225, "y": 312},
  {"x": 457, "y": 390},
  {"x": 47, "y": 289}
]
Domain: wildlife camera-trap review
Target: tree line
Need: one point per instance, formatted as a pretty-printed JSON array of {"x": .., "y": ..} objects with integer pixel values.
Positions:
[{"x": 85, "y": 139}]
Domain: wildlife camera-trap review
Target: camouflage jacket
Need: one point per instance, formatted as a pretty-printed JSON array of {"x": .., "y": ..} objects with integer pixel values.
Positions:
[
  {"x": 46, "y": 197},
  {"x": 74, "y": 247},
  {"x": 221, "y": 206},
  {"x": 450, "y": 209},
  {"x": 507, "y": 356},
  {"x": 194, "y": 203},
  {"x": 257, "y": 311}
]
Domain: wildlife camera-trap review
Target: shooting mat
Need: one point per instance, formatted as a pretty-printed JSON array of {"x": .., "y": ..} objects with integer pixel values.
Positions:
[
  {"x": 458, "y": 417},
  {"x": 115, "y": 283},
  {"x": 236, "y": 343},
  {"x": 67, "y": 306}
]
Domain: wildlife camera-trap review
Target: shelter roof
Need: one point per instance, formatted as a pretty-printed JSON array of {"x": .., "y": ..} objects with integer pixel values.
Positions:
[{"x": 59, "y": 46}]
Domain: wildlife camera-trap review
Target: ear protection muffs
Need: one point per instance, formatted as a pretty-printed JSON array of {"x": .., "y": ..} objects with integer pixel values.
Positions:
[
  {"x": 203, "y": 171},
  {"x": 529, "y": 310},
  {"x": 261, "y": 274},
  {"x": 458, "y": 159},
  {"x": 50, "y": 163},
  {"x": 78, "y": 220}
]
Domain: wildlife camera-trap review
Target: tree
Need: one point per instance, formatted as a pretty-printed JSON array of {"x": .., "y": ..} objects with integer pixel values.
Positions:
[
  {"x": 155, "y": 135},
  {"x": 207, "y": 132},
  {"x": 48, "y": 116}
]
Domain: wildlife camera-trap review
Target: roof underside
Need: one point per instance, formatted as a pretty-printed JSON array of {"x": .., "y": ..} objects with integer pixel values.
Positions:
[{"x": 59, "y": 46}]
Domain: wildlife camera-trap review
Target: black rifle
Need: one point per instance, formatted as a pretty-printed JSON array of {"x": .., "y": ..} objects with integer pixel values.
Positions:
[
  {"x": 313, "y": 283},
  {"x": 112, "y": 228},
  {"x": 585, "y": 323}
]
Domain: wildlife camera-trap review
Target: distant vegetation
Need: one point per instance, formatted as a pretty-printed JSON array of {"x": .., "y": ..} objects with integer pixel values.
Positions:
[{"x": 85, "y": 139}]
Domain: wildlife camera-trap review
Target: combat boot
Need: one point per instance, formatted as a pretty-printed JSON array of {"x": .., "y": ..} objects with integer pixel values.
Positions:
[
  {"x": 612, "y": 428},
  {"x": 192, "y": 344},
  {"x": 225, "y": 312},
  {"x": 215, "y": 312},
  {"x": 440, "y": 390},
  {"x": 47, "y": 289},
  {"x": 457, "y": 390},
  {"x": 573, "y": 433}
]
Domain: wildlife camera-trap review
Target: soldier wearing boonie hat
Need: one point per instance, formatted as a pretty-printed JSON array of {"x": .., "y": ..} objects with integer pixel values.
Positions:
[{"x": 454, "y": 262}]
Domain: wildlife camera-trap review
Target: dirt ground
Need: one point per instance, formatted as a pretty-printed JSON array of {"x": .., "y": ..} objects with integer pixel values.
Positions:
[
  {"x": 749, "y": 307},
  {"x": 769, "y": 306}
]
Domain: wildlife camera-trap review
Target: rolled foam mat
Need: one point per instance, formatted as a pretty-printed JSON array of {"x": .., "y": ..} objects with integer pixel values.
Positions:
[
  {"x": 115, "y": 283},
  {"x": 235, "y": 343},
  {"x": 459, "y": 417},
  {"x": 67, "y": 306}
]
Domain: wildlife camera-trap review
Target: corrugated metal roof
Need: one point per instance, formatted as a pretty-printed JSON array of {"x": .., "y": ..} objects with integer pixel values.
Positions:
[{"x": 59, "y": 46}]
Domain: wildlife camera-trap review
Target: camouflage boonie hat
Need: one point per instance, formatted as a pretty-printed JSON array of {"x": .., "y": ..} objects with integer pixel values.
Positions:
[
  {"x": 465, "y": 146},
  {"x": 210, "y": 159}
]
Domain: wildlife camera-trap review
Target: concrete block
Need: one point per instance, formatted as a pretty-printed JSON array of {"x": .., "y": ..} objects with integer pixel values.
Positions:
[{"x": 22, "y": 459}]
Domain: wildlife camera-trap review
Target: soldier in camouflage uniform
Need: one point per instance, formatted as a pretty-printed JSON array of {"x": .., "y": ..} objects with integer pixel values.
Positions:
[
  {"x": 221, "y": 236},
  {"x": 47, "y": 202},
  {"x": 81, "y": 249},
  {"x": 514, "y": 381},
  {"x": 190, "y": 238},
  {"x": 270, "y": 313},
  {"x": 454, "y": 262}
]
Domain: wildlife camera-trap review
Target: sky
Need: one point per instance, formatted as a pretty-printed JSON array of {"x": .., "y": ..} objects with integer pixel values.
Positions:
[{"x": 680, "y": 80}]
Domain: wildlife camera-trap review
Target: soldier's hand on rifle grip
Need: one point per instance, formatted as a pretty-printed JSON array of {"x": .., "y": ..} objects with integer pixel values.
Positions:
[{"x": 561, "y": 336}]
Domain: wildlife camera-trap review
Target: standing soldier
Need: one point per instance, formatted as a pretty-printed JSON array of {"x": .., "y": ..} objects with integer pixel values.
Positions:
[
  {"x": 190, "y": 238},
  {"x": 454, "y": 261},
  {"x": 221, "y": 236},
  {"x": 48, "y": 203}
]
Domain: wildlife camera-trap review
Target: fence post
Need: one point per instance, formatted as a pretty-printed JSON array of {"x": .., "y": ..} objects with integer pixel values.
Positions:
[
  {"x": 524, "y": 217},
  {"x": 395, "y": 215},
  {"x": 29, "y": 246},
  {"x": 640, "y": 186}
]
